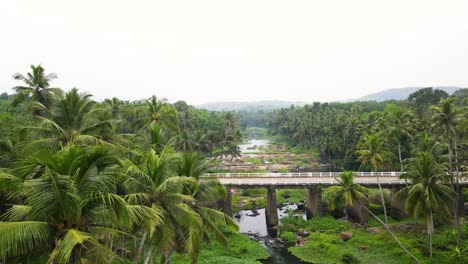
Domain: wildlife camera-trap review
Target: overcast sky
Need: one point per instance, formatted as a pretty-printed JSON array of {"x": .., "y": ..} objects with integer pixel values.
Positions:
[{"x": 205, "y": 51}]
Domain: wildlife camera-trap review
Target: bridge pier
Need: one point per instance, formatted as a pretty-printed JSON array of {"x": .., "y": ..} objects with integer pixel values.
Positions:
[
  {"x": 271, "y": 213},
  {"x": 314, "y": 204},
  {"x": 357, "y": 212},
  {"x": 227, "y": 203},
  {"x": 397, "y": 204}
]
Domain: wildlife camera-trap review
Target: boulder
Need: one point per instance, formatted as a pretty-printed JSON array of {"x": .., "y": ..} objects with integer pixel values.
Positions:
[
  {"x": 373, "y": 230},
  {"x": 405, "y": 227},
  {"x": 345, "y": 236},
  {"x": 303, "y": 233}
]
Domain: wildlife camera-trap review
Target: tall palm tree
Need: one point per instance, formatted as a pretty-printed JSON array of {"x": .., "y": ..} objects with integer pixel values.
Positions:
[
  {"x": 371, "y": 151},
  {"x": 429, "y": 192},
  {"x": 67, "y": 205},
  {"x": 447, "y": 117},
  {"x": 229, "y": 125},
  {"x": 398, "y": 126},
  {"x": 157, "y": 112},
  {"x": 36, "y": 88},
  {"x": 73, "y": 118}
]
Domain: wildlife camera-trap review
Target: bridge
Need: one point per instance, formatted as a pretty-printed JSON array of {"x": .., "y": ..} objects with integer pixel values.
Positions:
[
  {"x": 304, "y": 179},
  {"x": 313, "y": 182}
]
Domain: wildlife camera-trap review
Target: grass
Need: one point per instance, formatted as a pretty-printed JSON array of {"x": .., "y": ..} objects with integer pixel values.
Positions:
[
  {"x": 256, "y": 161},
  {"x": 241, "y": 250},
  {"x": 324, "y": 244}
]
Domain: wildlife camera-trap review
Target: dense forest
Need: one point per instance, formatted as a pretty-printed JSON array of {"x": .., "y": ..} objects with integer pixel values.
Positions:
[
  {"x": 86, "y": 181},
  {"x": 116, "y": 181},
  {"x": 430, "y": 120}
]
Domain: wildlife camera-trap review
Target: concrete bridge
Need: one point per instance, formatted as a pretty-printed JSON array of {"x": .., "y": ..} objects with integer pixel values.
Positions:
[{"x": 313, "y": 182}]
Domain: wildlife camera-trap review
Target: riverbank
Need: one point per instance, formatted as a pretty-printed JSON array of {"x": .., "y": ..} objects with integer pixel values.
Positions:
[{"x": 330, "y": 240}]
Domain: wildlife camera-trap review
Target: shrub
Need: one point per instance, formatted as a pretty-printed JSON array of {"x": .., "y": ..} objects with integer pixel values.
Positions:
[
  {"x": 289, "y": 237},
  {"x": 350, "y": 258},
  {"x": 327, "y": 224},
  {"x": 376, "y": 208}
]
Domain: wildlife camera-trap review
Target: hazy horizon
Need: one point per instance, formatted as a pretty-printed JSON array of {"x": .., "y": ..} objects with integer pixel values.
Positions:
[{"x": 216, "y": 51}]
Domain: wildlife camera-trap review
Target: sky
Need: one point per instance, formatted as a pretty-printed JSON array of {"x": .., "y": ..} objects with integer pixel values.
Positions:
[{"x": 210, "y": 51}]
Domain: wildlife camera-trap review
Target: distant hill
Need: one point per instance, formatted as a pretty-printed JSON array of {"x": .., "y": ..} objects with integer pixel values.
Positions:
[
  {"x": 268, "y": 105},
  {"x": 400, "y": 93}
]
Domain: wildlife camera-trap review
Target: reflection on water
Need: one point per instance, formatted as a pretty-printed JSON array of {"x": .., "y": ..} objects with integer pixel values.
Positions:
[
  {"x": 250, "y": 224},
  {"x": 253, "y": 145},
  {"x": 255, "y": 224}
]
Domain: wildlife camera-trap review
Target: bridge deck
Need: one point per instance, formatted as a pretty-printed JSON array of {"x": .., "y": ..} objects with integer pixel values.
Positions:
[{"x": 302, "y": 179}]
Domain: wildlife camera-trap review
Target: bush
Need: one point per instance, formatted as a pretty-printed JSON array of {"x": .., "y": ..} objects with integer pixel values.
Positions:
[
  {"x": 327, "y": 224},
  {"x": 321, "y": 248},
  {"x": 289, "y": 237},
  {"x": 350, "y": 258},
  {"x": 376, "y": 208},
  {"x": 292, "y": 223}
]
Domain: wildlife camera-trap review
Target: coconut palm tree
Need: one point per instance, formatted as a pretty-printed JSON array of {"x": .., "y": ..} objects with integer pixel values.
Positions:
[
  {"x": 346, "y": 193},
  {"x": 157, "y": 112},
  {"x": 191, "y": 164},
  {"x": 229, "y": 125},
  {"x": 73, "y": 118},
  {"x": 428, "y": 193},
  {"x": 447, "y": 117},
  {"x": 371, "y": 151},
  {"x": 397, "y": 121},
  {"x": 66, "y": 204},
  {"x": 183, "y": 201},
  {"x": 36, "y": 87}
]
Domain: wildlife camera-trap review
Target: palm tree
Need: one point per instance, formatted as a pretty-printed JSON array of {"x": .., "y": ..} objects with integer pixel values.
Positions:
[
  {"x": 398, "y": 126},
  {"x": 347, "y": 192},
  {"x": 447, "y": 116},
  {"x": 73, "y": 118},
  {"x": 372, "y": 152},
  {"x": 158, "y": 112},
  {"x": 428, "y": 193},
  {"x": 191, "y": 164},
  {"x": 67, "y": 205},
  {"x": 229, "y": 125},
  {"x": 182, "y": 201},
  {"x": 36, "y": 88}
]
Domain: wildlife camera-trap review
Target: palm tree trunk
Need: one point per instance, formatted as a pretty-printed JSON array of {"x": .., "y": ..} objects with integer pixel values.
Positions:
[
  {"x": 383, "y": 199},
  {"x": 148, "y": 254},
  {"x": 401, "y": 161},
  {"x": 430, "y": 231},
  {"x": 457, "y": 218},
  {"x": 140, "y": 248},
  {"x": 168, "y": 257},
  {"x": 389, "y": 231}
]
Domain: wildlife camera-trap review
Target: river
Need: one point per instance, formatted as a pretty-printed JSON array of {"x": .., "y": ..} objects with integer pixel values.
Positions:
[{"x": 255, "y": 224}]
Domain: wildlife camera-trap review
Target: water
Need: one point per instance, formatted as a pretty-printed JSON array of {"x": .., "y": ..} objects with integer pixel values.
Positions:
[
  {"x": 256, "y": 226},
  {"x": 253, "y": 145}
]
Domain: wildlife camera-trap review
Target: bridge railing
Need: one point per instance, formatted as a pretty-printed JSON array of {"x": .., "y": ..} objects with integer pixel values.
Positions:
[
  {"x": 304, "y": 181},
  {"x": 298, "y": 174}
]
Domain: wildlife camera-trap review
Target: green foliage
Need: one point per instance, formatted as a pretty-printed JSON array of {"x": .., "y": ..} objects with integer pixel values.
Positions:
[
  {"x": 321, "y": 248},
  {"x": 252, "y": 160},
  {"x": 241, "y": 250},
  {"x": 289, "y": 237},
  {"x": 350, "y": 258}
]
